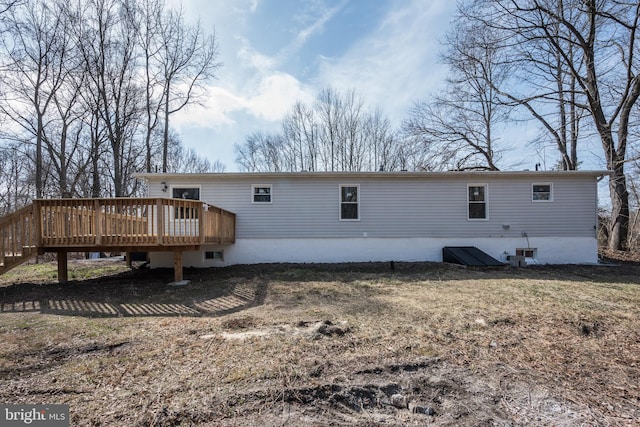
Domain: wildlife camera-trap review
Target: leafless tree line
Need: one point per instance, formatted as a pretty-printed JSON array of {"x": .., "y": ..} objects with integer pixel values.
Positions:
[
  {"x": 334, "y": 133},
  {"x": 87, "y": 92}
]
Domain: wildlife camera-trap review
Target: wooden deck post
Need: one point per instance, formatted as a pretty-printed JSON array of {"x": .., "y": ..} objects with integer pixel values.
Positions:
[
  {"x": 177, "y": 266},
  {"x": 63, "y": 268},
  {"x": 160, "y": 218},
  {"x": 37, "y": 222},
  {"x": 97, "y": 217},
  {"x": 220, "y": 230},
  {"x": 202, "y": 223}
]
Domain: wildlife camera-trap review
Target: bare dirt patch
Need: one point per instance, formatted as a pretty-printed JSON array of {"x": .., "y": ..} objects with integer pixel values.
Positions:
[{"x": 349, "y": 344}]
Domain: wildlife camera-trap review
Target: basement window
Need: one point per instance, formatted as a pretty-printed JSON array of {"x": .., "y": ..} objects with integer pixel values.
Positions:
[
  {"x": 542, "y": 192},
  {"x": 527, "y": 252},
  {"x": 261, "y": 193},
  {"x": 216, "y": 255}
]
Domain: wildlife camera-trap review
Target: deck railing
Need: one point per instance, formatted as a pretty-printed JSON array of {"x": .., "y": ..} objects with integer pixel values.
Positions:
[
  {"x": 120, "y": 224},
  {"x": 131, "y": 222}
]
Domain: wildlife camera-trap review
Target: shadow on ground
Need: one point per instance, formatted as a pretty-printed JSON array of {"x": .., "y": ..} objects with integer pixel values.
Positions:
[
  {"x": 137, "y": 293},
  {"x": 221, "y": 291}
]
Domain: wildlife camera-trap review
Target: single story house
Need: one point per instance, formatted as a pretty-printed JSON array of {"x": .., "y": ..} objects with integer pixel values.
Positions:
[{"x": 548, "y": 217}]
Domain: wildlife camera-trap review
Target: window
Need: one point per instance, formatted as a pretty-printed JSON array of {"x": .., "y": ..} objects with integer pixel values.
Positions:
[
  {"x": 217, "y": 255},
  {"x": 261, "y": 193},
  {"x": 188, "y": 194},
  {"x": 349, "y": 210},
  {"x": 527, "y": 252},
  {"x": 477, "y": 198},
  {"x": 541, "y": 192}
]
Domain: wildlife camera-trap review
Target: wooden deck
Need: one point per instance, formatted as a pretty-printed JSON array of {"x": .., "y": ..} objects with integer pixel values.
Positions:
[{"x": 111, "y": 225}]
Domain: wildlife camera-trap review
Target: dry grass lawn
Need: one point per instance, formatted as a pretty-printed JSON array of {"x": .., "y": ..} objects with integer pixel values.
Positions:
[{"x": 352, "y": 344}]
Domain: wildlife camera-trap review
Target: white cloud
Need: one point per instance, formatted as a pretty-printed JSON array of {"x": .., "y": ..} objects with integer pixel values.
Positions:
[
  {"x": 276, "y": 95},
  {"x": 257, "y": 86},
  {"x": 393, "y": 65},
  {"x": 249, "y": 57},
  {"x": 249, "y": 6},
  {"x": 213, "y": 113},
  {"x": 269, "y": 100},
  {"x": 396, "y": 63}
]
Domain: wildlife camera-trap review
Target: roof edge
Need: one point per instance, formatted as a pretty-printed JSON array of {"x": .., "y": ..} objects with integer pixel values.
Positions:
[{"x": 395, "y": 174}]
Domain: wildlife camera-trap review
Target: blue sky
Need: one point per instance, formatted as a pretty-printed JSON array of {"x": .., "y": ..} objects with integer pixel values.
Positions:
[{"x": 276, "y": 52}]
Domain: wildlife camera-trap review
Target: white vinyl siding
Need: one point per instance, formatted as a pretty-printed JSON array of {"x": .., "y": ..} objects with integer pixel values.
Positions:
[{"x": 404, "y": 206}]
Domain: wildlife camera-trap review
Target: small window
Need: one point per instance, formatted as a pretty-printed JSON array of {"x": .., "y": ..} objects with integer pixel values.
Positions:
[
  {"x": 542, "y": 192},
  {"x": 527, "y": 252},
  {"x": 477, "y": 201},
  {"x": 188, "y": 194},
  {"x": 261, "y": 193},
  {"x": 218, "y": 255},
  {"x": 349, "y": 202}
]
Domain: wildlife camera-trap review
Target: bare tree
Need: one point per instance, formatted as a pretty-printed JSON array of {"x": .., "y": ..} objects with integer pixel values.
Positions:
[
  {"x": 594, "y": 44},
  {"x": 261, "y": 152},
  {"x": 328, "y": 107},
  {"x": 15, "y": 188},
  {"x": 187, "y": 160},
  {"x": 108, "y": 42},
  {"x": 89, "y": 87},
  {"x": 458, "y": 128},
  {"x": 384, "y": 147},
  {"x": 352, "y": 147},
  {"x": 150, "y": 40},
  {"x": 36, "y": 70},
  {"x": 187, "y": 59},
  {"x": 540, "y": 82},
  {"x": 64, "y": 137},
  {"x": 336, "y": 133},
  {"x": 300, "y": 129}
]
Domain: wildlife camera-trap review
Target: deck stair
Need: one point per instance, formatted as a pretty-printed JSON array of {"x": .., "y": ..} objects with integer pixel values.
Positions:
[
  {"x": 111, "y": 225},
  {"x": 17, "y": 238}
]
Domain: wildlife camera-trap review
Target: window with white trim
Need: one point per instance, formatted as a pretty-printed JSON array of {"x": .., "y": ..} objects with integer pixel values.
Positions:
[
  {"x": 542, "y": 192},
  {"x": 477, "y": 201},
  {"x": 261, "y": 193},
  {"x": 349, "y": 202},
  {"x": 188, "y": 193}
]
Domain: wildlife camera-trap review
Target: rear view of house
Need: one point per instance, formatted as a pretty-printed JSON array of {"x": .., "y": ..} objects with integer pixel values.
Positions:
[{"x": 547, "y": 217}]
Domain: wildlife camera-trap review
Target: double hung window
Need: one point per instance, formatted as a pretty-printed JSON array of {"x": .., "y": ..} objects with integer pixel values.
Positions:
[
  {"x": 349, "y": 202},
  {"x": 477, "y": 201},
  {"x": 541, "y": 192},
  {"x": 261, "y": 193}
]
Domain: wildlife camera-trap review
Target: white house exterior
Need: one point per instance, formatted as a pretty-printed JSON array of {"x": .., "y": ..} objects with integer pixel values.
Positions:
[{"x": 549, "y": 217}]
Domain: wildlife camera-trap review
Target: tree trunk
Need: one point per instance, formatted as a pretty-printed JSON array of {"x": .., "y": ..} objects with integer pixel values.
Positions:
[
  {"x": 619, "y": 227},
  {"x": 39, "y": 162},
  {"x": 165, "y": 136}
]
